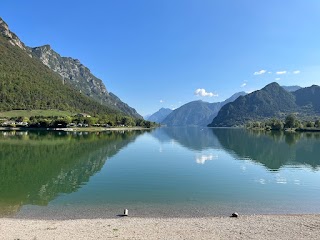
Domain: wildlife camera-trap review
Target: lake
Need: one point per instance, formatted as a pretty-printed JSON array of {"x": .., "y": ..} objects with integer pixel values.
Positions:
[{"x": 166, "y": 172}]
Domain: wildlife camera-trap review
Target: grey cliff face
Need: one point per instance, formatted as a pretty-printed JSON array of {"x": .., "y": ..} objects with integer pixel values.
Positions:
[
  {"x": 13, "y": 39},
  {"x": 79, "y": 76},
  {"x": 71, "y": 71}
]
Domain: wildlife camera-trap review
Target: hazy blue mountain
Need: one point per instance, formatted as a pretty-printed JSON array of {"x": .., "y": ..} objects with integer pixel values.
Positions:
[
  {"x": 291, "y": 88},
  {"x": 145, "y": 117},
  {"x": 197, "y": 113},
  {"x": 160, "y": 115},
  {"x": 270, "y": 101}
]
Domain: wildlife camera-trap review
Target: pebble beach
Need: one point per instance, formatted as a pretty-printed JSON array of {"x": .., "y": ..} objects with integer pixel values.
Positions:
[{"x": 243, "y": 227}]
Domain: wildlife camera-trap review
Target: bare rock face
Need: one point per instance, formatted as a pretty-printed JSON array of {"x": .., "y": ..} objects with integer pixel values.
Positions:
[
  {"x": 71, "y": 71},
  {"x": 79, "y": 76},
  {"x": 13, "y": 39}
]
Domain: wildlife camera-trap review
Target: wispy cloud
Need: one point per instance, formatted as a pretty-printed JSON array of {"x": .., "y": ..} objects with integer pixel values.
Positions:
[
  {"x": 260, "y": 72},
  {"x": 203, "y": 93},
  {"x": 281, "y": 72},
  {"x": 277, "y": 79},
  {"x": 161, "y": 101},
  {"x": 243, "y": 84},
  {"x": 296, "y": 72}
]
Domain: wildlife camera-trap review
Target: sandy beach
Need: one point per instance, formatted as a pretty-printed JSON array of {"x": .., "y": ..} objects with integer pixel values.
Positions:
[{"x": 243, "y": 227}]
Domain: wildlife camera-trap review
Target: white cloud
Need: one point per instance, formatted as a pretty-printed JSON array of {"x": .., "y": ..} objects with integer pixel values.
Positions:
[
  {"x": 296, "y": 72},
  {"x": 269, "y": 72},
  {"x": 281, "y": 72},
  {"x": 243, "y": 84},
  {"x": 260, "y": 72},
  {"x": 203, "y": 158},
  {"x": 203, "y": 93},
  {"x": 277, "y": 79},
  {"x": 161, "y": 101}
]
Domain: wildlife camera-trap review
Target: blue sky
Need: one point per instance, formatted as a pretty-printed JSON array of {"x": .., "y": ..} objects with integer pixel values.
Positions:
[{"x": 155, "y": 54}]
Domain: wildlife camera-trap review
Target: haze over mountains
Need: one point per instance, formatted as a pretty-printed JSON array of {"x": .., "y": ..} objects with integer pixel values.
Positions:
[
  {"x": 160, "y": 115},
  {"x": 197, "y": 113},
  {"x": 272, "y": 101},
  {"x": 39, "y": 78}
]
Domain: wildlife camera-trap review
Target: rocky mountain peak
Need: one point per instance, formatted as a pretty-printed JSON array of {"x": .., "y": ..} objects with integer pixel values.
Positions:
[
  {"x": 13, "y": 39},
  {"x": 3, "y": 25},
  {"x": 71, "y": 70}
]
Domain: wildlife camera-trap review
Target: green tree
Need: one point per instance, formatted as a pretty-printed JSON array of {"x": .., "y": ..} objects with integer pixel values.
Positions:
[{"x": 290, "y": 121}]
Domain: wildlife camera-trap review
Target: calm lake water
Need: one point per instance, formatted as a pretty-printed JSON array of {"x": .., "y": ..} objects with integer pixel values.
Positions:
[{"x": 166, "y": 172}]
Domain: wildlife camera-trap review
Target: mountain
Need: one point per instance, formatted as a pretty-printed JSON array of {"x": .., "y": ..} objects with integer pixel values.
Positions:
[
  {"x": 197, "y": 113},
  {"x": 145, "y": 117},
  {"x": 271, "y": 101},
  {"x": 27, "y": 83},
  {"x": 160, "y": 115},
  {"x": 291, "y": 88},
  {"x": 73, "y": 72},
  {"x": 308, "y": 98}
]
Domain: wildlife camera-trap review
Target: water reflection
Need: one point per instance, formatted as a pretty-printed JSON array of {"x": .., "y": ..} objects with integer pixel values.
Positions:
[
  {"x": 35, "y": 167},
  {"x": 272, "y": 149},
  {"x": 198, "y": 170},
  {"x": 201, "y": 159},
  {"x": 193, "y": 138}
]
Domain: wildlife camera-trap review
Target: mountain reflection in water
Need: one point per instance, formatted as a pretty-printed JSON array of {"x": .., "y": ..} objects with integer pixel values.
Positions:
[
  {"x": 35, "y": 167},
  {"x": 272, "y": 149}
]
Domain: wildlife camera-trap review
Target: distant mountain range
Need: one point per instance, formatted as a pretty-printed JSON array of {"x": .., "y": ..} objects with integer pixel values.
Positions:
[
  {"x": 291, "y": 88},
  {"x": 197, "y": 113},
  {"x": 39, "y": 78},
  {"x": 271, "y": 101},
  {"x": 160, "y": 115}
]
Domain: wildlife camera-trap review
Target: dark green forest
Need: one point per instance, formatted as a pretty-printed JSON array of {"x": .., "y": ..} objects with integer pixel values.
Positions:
[{"x": 26, "y": 83}]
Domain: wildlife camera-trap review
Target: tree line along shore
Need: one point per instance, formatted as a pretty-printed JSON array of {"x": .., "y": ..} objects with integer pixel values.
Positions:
[
  {"x": 74, "y": 121},
  {"x": 290, "y": 123}
]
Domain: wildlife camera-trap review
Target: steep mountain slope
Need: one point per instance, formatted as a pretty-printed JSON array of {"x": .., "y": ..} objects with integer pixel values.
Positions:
[
  {"x": 270, "y": 101},
  {"x": 308, "y": 98},
  {"x": 25, "y": 83},
  {"x": 21, "y": 62},
  {"x": 160, "y": 115},
  {"x": 197, "y": 113},
  {"x": 79, "y": 76}
]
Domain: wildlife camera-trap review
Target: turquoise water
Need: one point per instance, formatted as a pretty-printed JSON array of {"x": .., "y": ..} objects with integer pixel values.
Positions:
[{"x": 166, "y": 172}]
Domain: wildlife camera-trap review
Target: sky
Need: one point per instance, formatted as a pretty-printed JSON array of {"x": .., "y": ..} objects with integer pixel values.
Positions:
[{"x": 165, "y": 53}]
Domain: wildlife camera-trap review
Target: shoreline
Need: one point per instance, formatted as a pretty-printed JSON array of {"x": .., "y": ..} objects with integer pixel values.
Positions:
[
  {"x": 298, "y": 226},
  {"x": 83, "y": 129}
]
